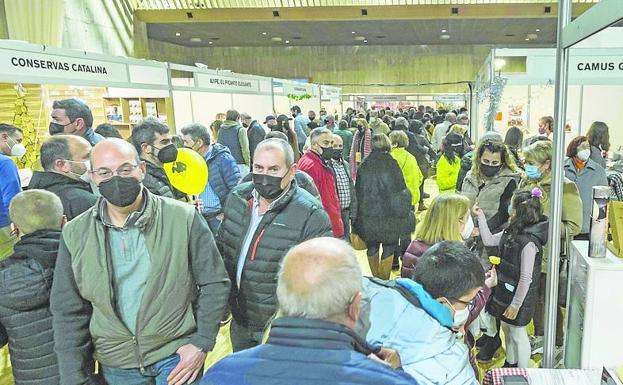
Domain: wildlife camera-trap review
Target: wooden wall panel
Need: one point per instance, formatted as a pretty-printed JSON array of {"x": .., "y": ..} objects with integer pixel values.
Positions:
[{"x": 353, "y": 65}]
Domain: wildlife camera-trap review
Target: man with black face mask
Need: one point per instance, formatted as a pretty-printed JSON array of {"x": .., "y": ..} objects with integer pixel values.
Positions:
[
  {"x": 262, "y": 220},
  {"x": 152, "y": 140},
  {"x": 345, "y": 186},
  {"x": 139, "y": 284},
  {"x": 317, "y": 163}
]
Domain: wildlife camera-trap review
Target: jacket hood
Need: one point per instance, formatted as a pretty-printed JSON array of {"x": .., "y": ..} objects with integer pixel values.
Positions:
[
  {"x": 26, "y": 277},
  {"x": 540, "y": 230},
  {"x": 217, "y": 149},
  {"x": 421, "y": 335},
  {"x": 230, "y": 123},
  {"x": 46, "y": 179}
]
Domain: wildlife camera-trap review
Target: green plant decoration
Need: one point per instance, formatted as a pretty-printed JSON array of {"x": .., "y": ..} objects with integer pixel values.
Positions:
[
  {"x": 22, "y": 120},
  {"x": 299, "y": 97}
]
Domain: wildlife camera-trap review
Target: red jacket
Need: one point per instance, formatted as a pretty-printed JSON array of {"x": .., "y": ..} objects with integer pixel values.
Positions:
[{"x": 324, "y": 179}]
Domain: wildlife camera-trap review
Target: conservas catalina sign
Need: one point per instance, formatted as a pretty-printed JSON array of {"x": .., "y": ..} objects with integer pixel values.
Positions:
[
  {"x": 227, "y": 83},
  {"x": 28, "y": 64}
]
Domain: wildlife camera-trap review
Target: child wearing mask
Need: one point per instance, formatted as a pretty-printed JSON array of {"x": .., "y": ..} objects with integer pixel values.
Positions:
[{"x": 521, "y": 249}]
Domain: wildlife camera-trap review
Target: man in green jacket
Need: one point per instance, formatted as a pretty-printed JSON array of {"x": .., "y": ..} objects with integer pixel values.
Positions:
[{"x": 139, "y": 284}]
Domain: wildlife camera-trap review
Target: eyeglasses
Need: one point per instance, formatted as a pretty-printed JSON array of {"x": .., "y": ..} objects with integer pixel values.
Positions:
[
  {"x": 469, "y": 305},
  {"x": 125, "y": 169}
]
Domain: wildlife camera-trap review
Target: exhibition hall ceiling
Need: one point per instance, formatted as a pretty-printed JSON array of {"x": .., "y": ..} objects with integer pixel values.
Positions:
[
  {"x": 208, "y": 4},
  {"x": 522, "y": 32}
]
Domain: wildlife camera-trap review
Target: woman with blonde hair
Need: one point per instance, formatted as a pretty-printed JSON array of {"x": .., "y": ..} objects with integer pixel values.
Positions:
[
  {"x": 538, "y": 174},
  {"x": 447, "y": 219}
]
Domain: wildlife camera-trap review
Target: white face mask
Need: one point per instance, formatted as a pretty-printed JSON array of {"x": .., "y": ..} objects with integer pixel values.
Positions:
[
  {"x": 460, "y": 318},
  {"x": 584, "y": 155},
  {"x": 469, "y": 228},
  {"x": 18, "y": 150},
  {"x": 86, "y": 176}
]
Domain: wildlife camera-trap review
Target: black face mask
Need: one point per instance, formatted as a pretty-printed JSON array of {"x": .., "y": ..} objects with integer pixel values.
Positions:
[
  {"x": 327, "y": 153},
  {"x": 337, "y": 154},
  {"x": 56, "y": 128},
  {"x": 268, "y": 186},
  {"x": 273, "y": 127},
  {"x": 120, "y": 191},
  {"x": 167, "y": 154},
  {"x": 488, "y": 170},
  {"x": 245, "y": 125}
]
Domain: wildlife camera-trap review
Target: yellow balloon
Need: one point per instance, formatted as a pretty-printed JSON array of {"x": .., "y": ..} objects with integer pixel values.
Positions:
[{"x": 188, "y": 173}]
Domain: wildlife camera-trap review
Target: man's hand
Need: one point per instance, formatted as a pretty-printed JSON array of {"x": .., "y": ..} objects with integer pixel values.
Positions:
[
  {"x": 390, "y": 356},
  {"x": 189, "y": 367},
  {"x": 511, "y": 313},
  {"x": 491, "y": 278}
]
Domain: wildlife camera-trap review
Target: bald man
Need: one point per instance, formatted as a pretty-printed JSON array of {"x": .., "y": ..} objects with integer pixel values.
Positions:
[
  {"x": 139, "y": 284},
  {"x": 345, "y": 186},
  {"x": 25, "y": 318},
  {"x": 65, "y": 159},
  {"x": 312, "y": 341}
]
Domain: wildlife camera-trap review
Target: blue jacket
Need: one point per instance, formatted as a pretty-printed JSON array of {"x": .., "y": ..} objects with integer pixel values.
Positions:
[
  {"x": 429, "y": 350},
  {"x": 9, "y": 187},
  {"x": 305, "y": 352},
  {"x": 223, "y": 172},
  {"x": 300, "y": 127}
]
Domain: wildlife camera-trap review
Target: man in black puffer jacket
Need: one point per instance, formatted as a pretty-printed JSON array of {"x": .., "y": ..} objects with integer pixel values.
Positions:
[
  {"x": 263, "y": 219},
  {"x": 25, "y": 282}
]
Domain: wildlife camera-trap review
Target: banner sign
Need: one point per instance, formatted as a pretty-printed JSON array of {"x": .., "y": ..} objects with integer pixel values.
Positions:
[
  {"x": 449, "y": 98},
  {"x": 330, "y": 93},
  {"x": 386, "y": 98},
  {"x": 227, "y": 83},
  {"x": 28, "y": 64}
]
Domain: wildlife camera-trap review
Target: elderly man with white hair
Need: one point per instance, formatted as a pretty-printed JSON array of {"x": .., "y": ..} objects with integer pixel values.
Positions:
[
  {"x": 313, "y": 342},
  {"x": 441, "y": 130}
]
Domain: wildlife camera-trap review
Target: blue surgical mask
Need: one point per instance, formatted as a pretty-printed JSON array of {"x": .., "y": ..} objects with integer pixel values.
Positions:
[{"x": 533, "y": 172}]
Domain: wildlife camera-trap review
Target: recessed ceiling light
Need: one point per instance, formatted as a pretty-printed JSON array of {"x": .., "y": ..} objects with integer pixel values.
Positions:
[
  {"x": 360, "y": 38},
  {"x": 444, "y": 37},
  {"x": 264, "y": 33},
  {"x": 532, "y": 36},
  {"x": 195, "y": 39},
  {"x": 178, "y": 34},
  {"x": 444, "y": 30},
  {"x": 287, "y": 41},
  {"x": 354, "y": 32},
  {"x": 538, "y": 30},
  {"x": 276, "y": 38},
  {"x": 527, "y": 39},
  {"x": 211, "y": 42},
  {"x": 365, "y": 41}
]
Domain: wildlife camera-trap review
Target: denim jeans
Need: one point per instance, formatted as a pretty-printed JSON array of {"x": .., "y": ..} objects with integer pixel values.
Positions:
[{"x": 155, "y": 374}]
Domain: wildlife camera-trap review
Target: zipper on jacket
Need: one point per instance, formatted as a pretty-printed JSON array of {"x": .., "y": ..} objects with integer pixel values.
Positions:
[
  {"x": 256, "y": 243},
  {"x": 137, "y": 349}
]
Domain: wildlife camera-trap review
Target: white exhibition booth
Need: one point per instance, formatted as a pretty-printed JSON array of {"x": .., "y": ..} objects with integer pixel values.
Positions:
[
  {"x": 122, "y": 91},
  {"x": 203, "y": 93},
  {"x": 595, "y": 90},
  {"x": 331, "y": 99},
  {"x": 288, "y": 93}
]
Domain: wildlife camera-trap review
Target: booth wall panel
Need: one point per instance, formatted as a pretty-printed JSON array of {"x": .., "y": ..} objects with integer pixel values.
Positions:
[
  {"x": 207, "y": 105},
  {"x": 182, "y": 104},
  {"x": 603, "y": 103},
  {"x": 282, "y": 105},
  {"x": 258, "y": 106}
]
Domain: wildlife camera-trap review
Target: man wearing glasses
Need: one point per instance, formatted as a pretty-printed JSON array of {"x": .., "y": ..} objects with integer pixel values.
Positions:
[
  {"x": 139, "y": 284},
  {"x": 424, "y": 318}
]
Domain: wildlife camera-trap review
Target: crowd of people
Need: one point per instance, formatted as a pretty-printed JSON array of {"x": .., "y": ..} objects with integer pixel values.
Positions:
[{"x": 111, "y": 274}]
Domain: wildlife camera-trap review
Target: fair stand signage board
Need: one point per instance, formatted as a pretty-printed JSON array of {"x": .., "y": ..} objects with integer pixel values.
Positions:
[
  {"x": 227, "y": 83},
  {"x": 23, "y": 64},
  {"x": 330, "y": 93},
  {"x": 449, "y": 98}
]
